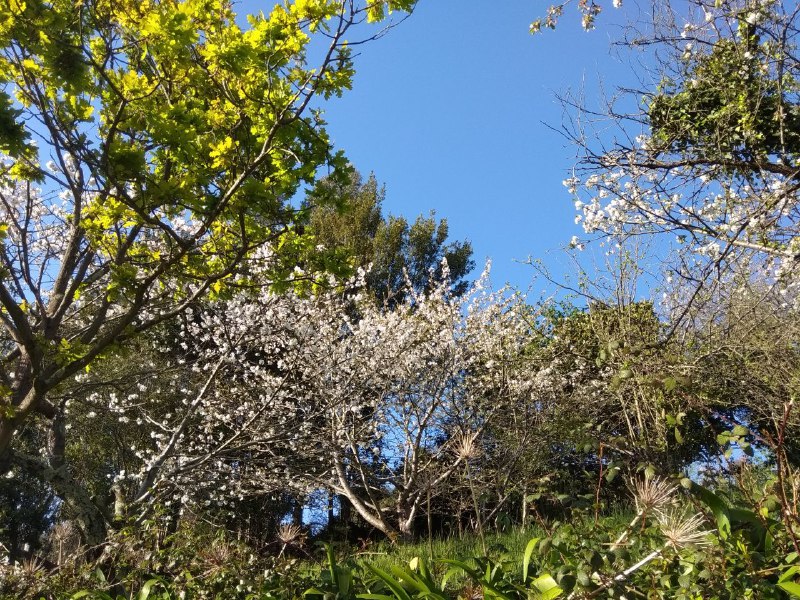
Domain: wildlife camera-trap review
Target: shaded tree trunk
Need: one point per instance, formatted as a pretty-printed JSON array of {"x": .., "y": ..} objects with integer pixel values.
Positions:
[
  {"x": 331, "y": 517},
  {"x": 297, "y": 511},
  {"x": 345, "y": 509},
  {"x": 524, "y": 515},
  {"x": 406, "y": 511},
  {"x": 91, "y": 518}
]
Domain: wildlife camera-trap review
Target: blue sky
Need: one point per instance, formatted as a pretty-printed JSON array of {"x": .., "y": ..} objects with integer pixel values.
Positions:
[{"x": 450, "y": 111}]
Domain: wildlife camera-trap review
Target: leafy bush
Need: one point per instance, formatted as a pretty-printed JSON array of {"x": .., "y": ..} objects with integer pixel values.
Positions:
[{"x": 685, "y": 544}]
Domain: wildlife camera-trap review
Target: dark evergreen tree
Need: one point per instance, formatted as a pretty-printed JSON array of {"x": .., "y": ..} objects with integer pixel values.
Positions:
[{"x": 348, "y": 220}]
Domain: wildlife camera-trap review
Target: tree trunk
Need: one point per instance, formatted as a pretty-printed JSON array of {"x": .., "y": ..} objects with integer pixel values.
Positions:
[
  {"x": 91, "y": 518},
  {"x": 297, "y": 511},
  {"x": 345, "y": 509},
  {"x": 373, "y": 517},
  {"x": 405, "y": 520},
  {"x": 406, "y": 531},
  {"x": 524, "y": 515}
]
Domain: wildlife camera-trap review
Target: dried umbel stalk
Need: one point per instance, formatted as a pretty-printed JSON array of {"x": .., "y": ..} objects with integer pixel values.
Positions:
[
  {"x": 65, "y": 538},
  {"x": 290, "y": 534},
  {"x": 653, "y": 494},
  {"x": 465, "y": 445},
  {"x": 681, "y": 529},
  {"x": 656, "y": 496}
]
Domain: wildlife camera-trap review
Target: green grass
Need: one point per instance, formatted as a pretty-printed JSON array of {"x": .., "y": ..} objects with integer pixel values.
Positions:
[{"x": 509, "y": 544}]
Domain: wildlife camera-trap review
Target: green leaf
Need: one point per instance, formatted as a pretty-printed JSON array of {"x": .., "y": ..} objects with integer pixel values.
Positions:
[
  {"x": 12, "y": 132},
  {"x": 678, "y": 436},
  {"x": 332, "y": 565},
  {"x": 375, "y": 12},
  {"x": 409, "y": 578},
  {"x": 461, "y": 565},
  {"x": 583, "y": 578},
  {"x": 92, "y": 594},
  {"x": 393, "y": 585},
  {"x": 789, "y": 574},
  {"x": 717, "y": 506},
  {"x": 452, "y": 572},
  {"x": 793, "y": 589},
  {"x": 313, "y": 592},
  {"x": 345, "y": 581},
  {"x": 547, "y": 586},
  {"x": 526, "y": 558},
  {"x": 144, "y": 593}
]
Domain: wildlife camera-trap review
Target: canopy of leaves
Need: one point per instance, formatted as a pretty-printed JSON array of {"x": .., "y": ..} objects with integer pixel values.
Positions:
[
  {"x": 729, "y": 104},
  {"x": 148, "y": 148}
]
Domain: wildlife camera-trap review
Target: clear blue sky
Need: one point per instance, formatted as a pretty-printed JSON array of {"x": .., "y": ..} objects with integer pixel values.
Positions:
[{"x": 450, "y": 111}]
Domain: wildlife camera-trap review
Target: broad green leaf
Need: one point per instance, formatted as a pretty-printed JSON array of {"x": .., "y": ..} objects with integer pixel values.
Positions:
[
  {"x": 331, "y": 561},
  {"x": 452, "y": 572},
  {"x": 461, "y": 565},
  {"x": 793, "y": 589},
  {"x": 313, "y": 592},
  {"x": 717, "y": 506},
  {"x": 144, "y": 593},
  {"x": 394, "y": 585},
  {"x": 526, "y": 558},
  {"x": 789, "y": 574},
  {"x": 547, "y": 586},
  {"x": 678, "y": 436}
]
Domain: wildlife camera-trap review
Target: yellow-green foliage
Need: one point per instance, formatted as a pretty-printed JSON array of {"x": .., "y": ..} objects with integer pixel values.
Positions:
[{"x": 174, "y": 110}]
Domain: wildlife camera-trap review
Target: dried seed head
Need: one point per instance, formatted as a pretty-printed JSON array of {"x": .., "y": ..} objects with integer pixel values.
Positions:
[
  {"x": 63, "y": 530},
  {"x": 681, "y": 529},
  {"x": 289, "y": 534},
  {"x": 465, "y": 445},
  {"x": 217, "y": 557},
  {"x": 652, "y": 494}
]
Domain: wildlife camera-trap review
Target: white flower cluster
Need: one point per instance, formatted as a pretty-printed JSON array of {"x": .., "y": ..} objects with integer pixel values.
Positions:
[
  {"x": 729, "y": 207},
  {"x": 266, "y": 391},
  {"x": 726, "y": 222}
]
